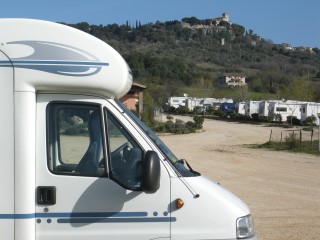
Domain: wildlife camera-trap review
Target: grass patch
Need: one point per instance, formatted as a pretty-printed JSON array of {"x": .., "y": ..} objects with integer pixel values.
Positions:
[{"x": 291, "y": 146}]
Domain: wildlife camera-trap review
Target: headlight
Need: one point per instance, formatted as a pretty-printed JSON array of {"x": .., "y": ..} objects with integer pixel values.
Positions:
[{"x": 245, "y": 227}]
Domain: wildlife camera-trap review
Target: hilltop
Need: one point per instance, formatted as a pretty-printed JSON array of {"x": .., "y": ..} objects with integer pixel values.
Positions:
[{"x": 174, "y": 57}]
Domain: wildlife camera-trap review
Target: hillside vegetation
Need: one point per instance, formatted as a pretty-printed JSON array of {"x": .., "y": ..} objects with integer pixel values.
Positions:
[{"x": 187, "y": 56}]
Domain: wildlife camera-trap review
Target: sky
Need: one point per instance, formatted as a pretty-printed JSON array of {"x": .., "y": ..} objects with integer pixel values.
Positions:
[{"x": 296, "y": 22}]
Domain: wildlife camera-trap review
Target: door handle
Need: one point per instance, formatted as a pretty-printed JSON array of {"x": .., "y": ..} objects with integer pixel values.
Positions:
[{"x": 46, "y": 195}]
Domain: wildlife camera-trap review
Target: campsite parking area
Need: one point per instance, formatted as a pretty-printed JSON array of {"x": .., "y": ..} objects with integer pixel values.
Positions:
[{"x": 282, "y": 189}]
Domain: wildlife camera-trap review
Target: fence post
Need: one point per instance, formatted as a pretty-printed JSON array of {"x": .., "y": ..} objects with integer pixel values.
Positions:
[
  {"x": 319, "y": 137},
  {"x": 270, "y": 135},
  {"x": 281, "y": 139},
  {"x": 312, "y": 139},
  {"x": 300, "y": 139}
]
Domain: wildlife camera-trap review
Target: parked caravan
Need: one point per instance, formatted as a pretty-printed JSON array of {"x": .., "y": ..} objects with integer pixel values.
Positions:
[
  {"x": 177, "y": 102},
  {"x": 285, "y": 109},
  {"x": 192, "y": 103},
  {"x": 228, "y": 108},
  {"x": 77, "y": 164},
  {"x": 264, "y": 109},
  {"x": 310, "y": 109},
  {"x": 240, "y": 108},
  {"x": 251, "y": 107}
]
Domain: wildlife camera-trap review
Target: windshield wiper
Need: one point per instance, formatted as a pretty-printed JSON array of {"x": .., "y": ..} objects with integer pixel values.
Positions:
[{"x": 182, "y": 161}]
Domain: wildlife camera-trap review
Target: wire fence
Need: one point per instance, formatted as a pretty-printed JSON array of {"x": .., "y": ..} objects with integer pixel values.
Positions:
[{"x": 307, "y": 141}]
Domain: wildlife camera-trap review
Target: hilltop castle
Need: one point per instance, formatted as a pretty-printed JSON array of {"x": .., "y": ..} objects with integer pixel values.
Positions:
[
  {"x": 225, "y": 17},
  {"x": 208, "y": 23}
]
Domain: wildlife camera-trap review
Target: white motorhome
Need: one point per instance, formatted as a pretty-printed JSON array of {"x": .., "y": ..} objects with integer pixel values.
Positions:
[{"x": 76, "y": 164}]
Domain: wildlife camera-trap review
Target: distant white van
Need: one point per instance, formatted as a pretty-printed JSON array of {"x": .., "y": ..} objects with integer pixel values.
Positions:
[{"x": 77, "y": 164}]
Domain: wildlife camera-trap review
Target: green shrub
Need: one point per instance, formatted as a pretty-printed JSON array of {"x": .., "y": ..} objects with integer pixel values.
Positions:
[
  {"x": 182, "y": 110},
  {"x": 198, "y": 120},
  {"x": 180, "y": 127},
  {"x": 172, "y": 109},
  {"x": 310, "y": 121},
  {"x": 209, "y": 110},
  {"x": 191, "y": 126},
  {"x": 219, "y": 113},
  {"x": 291, "y": 140},
  {"x": 169, "y": 126},
  {"x": 293, "y": 120},
  {"x": 197, "y": 110},
  {"x": 160, "y": 127}
]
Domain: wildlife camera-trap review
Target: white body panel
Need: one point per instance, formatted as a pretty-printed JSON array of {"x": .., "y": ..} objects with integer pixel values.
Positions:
[
  {"x": 6, "y": 151},
  {"x": 25, "y": 130},
  {"x": 61, "y": 54},
  {"x": 208, "y": 215}
]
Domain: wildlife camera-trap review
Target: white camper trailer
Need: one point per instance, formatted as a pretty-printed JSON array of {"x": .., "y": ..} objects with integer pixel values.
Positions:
[
  {"x": 310, "y": 109},
  {"x": 285, "y": 109},
  {"x": 251, "y": 107},
  {"x": 240, "y": 108},
  {"x": 77, "y": 164},
  {"x": 192, "y": 103},
  {"x": 263, "y": 109},
  {"x": 177, "y": 102}
]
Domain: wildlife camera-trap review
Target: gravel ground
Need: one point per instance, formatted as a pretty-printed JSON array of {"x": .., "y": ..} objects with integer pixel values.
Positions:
[{"x": 281, "y": 188}]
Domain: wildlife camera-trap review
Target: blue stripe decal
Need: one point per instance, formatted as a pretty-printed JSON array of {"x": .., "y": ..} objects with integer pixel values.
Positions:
[
  {"x": 91, "y": 214},
  {"x": 56, "y": 58},
  {"x": 5, "y": 63},
  {"x": 116, "y": 220},
  {"x": 66, "y": 68},
  {"x": 74, "y": 215},
  {"x": 94, "y": 217},
  {"x": 64, "y": 63},
  {"x": 17, "y": 216}
]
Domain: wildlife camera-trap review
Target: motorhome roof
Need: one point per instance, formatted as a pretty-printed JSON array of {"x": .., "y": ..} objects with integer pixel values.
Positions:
[{"x": 49, "y": 56}]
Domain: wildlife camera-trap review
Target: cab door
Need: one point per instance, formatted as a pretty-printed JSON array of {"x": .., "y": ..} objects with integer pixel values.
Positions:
[{"x": 88, "y": 174}]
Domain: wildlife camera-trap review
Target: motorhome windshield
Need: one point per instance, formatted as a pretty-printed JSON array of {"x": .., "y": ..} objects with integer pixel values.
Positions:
[{"x": 178, "y": 164}]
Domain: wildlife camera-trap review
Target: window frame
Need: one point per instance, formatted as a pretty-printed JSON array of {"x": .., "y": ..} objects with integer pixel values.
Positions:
[
  {"x": 281, "y": 109},
  {"x": 52, "y": 136},
  {"x": 107, "y": 113}
]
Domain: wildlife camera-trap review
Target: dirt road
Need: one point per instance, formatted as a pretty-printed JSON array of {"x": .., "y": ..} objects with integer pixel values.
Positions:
[{"x": 282, "y": 189}]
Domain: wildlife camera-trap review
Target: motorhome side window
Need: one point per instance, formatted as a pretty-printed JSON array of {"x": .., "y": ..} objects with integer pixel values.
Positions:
[
  {"x": 75, "y": 139},
  {"x": 125, "y": 155}
]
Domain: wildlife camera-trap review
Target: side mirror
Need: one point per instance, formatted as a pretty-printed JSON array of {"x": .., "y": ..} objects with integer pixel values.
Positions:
[{"x": 151, "y": 172}]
